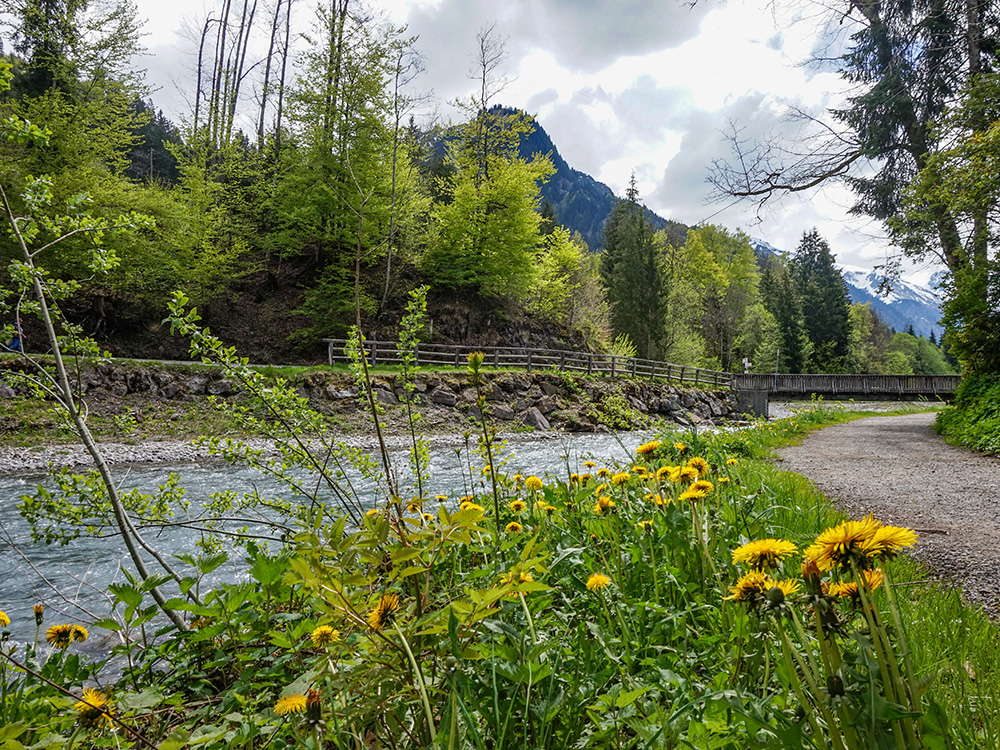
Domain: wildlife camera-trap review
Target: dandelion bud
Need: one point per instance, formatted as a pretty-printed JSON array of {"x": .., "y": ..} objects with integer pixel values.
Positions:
[
  {"x": 835, "y": 686},
  {"x": 775, "y": 597},
  {"x": 39, "y": 614}
]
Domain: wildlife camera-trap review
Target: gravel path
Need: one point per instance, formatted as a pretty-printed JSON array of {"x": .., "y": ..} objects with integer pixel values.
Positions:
[{"x": 897, "y": 468}]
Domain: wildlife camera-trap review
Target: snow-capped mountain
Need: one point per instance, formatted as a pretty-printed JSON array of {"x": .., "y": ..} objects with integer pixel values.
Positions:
[{"x": 905, "y": 305}]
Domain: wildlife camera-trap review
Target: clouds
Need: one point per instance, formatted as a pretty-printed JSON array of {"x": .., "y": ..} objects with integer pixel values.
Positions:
[{"x": 648, "y": 86}]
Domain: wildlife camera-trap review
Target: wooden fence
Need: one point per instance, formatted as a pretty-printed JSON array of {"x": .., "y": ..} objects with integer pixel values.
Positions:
[
  {"x": 803, "y": 385},
  {"x": 444, "y": 355}
]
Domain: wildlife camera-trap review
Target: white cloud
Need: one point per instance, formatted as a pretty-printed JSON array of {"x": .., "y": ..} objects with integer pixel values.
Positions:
[{"x": 631, "y": 85}]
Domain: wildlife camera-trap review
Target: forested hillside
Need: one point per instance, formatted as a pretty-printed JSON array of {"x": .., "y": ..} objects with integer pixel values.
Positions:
[{"x": 320, "y": 203}]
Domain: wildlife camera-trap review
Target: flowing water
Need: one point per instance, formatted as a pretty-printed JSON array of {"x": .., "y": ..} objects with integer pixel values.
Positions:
[{"x": 71, "y": 580}]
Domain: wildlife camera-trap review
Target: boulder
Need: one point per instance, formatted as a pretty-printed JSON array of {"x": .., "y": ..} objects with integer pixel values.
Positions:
[
  {"x": 444, "y": 396},
  {"x": 536, "y": 419}
]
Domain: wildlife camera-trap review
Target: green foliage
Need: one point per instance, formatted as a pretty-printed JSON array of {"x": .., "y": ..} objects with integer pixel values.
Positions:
[
  {"x": 825, "y": 304},
  {"x": 486, "y": 230},
  {"x": 960, "y": 182},
  {"x": 974, "y": 419}
]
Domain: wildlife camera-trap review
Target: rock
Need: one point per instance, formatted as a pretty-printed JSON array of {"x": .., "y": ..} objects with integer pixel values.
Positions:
[
  {"x": 6, "y": 391},
  {"x": 549, "y": 389},
  {"x": 219, "y": 388},
  {"x": 502, "y": 411},
  {"x": 195, "y": 384},
  {"x": 546, "y": 405},
  {"x": 536, "y": 419},
  {"x": 385, "y": 396},
  {"x": 444, "y": 396},
  {"x": 334, "y": 393}
]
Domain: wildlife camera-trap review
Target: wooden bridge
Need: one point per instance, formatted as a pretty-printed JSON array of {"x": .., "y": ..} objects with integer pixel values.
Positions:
[{"x": 899, "y": 387}]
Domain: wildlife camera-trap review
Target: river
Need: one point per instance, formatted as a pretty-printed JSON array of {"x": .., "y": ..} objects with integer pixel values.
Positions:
[{"x": 71, "y": 580}]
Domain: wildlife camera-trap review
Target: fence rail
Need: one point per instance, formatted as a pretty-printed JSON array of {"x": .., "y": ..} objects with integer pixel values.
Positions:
[
  {"x": 387, "y": 353},
  {"x": 447, "y": 355},
  {"x": 848, "y": 385}
]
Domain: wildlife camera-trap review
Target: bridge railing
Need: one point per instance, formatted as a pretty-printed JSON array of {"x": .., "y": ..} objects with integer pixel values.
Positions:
[
  {"x": 847, "y": 385},
  {"x": 444, "y": 355}
]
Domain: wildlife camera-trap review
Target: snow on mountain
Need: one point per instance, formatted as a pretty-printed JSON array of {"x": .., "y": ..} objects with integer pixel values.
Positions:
[{"x": 905, "y": 304}]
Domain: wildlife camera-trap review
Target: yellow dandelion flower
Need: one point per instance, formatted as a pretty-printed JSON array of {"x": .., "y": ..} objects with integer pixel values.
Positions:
[
  {"x": 837, "y": 546},
  {"x": 645, "y": 526},
  {"x": 703, "y": 487},
  {"x": 700, "y": 465},
  {"x": 589, "y": 464},
  {"x": 515, "y": 578},
  {"x": 597, "y": 581},
  {"x": 60, "y": 636},
  {"x": 849, "y": 589},
  {"x": 750, "y": 586},
  {"x": 546, "y": 508},
  {"x": 680, "y": 447},
  {"x": 689, "y": 496},
  {"x": 324, "y": 635},
  {"x": 732, "y": 461},
  {"x": 94, "y": 710},
  {"x": 600, "y": 488},
  {"x": 518, "y": 506},
  {"x": 674, "y": 473},
  {"x": 533, "y": 483},
  {"x": 723, "y": 480},
  {"x": 662, "y": 472},
  {"x": 689, "y": 473},
  {"x": 518, "y": 478},
  {"x": 574, "y": 478},
  {"x": 658, "y": 499},
  {"x": 620, "y": 478},
  {"x": 78, "y": 633},
  {"x": 469, "y": 505},
  {"x": 513, "y": 528},
  {"x": 384, "y": 611},
  {"x": 605, "y": 502},
  {"x": 639, "y": 471},
  {"x": 4, "y": 620},
  {"x": 764, "y": 554},
  {"x": 887, "y": 541},
  {"x": 604, "y": 473},
  {"x": 290, "y": 704},
  {"x": 788, "y": 586},
  {"x": 584, "y": 478},
  {"x": 427, "y": 517},
  {"x": 646, "y": 448},
  {"x": 441, "y": 498}
]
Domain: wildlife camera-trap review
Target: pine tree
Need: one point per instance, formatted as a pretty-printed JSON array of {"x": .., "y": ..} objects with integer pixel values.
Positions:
[{"x": 825, "y": 302}]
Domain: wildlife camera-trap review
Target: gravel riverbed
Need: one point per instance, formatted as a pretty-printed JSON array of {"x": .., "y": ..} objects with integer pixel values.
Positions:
[{"x": 898, "y": 469}]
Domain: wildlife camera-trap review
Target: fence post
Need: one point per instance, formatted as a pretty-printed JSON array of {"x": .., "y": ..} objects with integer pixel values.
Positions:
[
  {"x": 374, "y": 353},
  {"x": 652, "y": 371},
  {"x": 529, "y": 360},
  {"x": 696, "y": 373},
  {"x": 613, "y": 365},
  {"x": 457, "y": 352},
  {"x": 329, "y": 352},
  {"x": 562, "y": 361},
  {"x": 634, "y": 364},
  {"x": 590, "y": 363},
  {"x": 496, "y": 359}
]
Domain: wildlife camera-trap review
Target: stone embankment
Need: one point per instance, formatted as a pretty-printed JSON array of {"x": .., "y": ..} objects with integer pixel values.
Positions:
[{"x": 516, "y": 402}]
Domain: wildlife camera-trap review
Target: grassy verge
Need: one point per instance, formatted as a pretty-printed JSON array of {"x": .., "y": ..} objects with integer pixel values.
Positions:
[{"x": 604, "y": 609}]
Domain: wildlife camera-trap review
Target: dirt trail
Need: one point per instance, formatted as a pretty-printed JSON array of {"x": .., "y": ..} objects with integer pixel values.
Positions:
[{"x": 898, "y": 469}]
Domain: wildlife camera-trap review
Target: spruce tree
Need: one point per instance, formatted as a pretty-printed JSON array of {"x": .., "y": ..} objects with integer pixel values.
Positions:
[
  {"x": 825, "y": 302},
  {"x": 633, "y": 272},
  {"x": 781, "y": 299}
]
